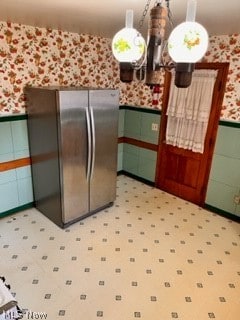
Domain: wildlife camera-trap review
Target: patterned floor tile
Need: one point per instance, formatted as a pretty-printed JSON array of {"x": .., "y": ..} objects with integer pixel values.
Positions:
[{"x": 149, "y": 256}]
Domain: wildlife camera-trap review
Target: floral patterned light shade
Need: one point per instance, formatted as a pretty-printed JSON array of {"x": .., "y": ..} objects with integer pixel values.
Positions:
[
  {"x": 128, "y": 45},
  {"x": 188, "y": 42}
]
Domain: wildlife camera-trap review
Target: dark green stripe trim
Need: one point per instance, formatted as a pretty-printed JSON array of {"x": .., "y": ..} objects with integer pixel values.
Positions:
[
  {"x": 17, "y": 209},
  {"x": 141, "y": 109},
  {"x": 222, "y": 212},
  {"x": 13, "y": 118},
  {"x": 231, "y": 124},
  {"x": 226, "y": 123},
  {"x": 128, "y": 174}
]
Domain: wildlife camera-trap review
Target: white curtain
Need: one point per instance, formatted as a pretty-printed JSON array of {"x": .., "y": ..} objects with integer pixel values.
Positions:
[{"x": 188, "y": 111}]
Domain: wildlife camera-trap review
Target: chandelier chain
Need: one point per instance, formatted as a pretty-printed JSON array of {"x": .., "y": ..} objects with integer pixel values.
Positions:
[
  {"x": 158, "y": 2},
  {"x": 145, "y": 11},
  {"x": 146, "y": 8},
  {"x": 170, "y": 16}
]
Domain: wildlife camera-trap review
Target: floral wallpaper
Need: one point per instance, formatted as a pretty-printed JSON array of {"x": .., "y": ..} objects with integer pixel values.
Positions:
[
  {"x": 40, "y": 57},
  {"x": 227, "y": 49}
]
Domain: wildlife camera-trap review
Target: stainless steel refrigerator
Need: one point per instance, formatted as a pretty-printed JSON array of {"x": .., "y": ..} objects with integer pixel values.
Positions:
[{"x": 73, "y": 147}]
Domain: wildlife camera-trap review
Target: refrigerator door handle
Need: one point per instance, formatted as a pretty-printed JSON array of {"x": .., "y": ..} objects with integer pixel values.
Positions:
[
  {"x": 89, "y": 141},
  {"x": 93, "y": 141}
]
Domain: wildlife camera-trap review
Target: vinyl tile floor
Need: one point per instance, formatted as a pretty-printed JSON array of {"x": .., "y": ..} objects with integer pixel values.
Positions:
[{"x": 149, "y": 256}]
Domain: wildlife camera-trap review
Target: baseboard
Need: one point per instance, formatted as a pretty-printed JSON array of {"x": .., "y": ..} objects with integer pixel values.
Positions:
[
  {"x": 17, "y": 209},
  {"x": 222, "y": 213},
  {"x": 130, "y": 175}
]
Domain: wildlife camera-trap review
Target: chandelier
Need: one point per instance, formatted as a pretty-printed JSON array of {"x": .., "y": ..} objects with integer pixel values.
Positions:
[{"x": 186, "y": 45}]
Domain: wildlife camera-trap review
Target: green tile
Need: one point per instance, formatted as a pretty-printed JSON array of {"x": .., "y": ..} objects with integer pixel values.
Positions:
[
  {"x": 6, "y": 143},
  {"x": 21, "y": 154},
  {"x": 228, "y": 142},
  {"x": 130, "y": 158},
  {"x": 25, "y": 192},
  {"x": 8, "y": 176},
  {"x": 6, "y": 157},
  {"x": 139, "y": 161},
  {"x": 8, "y": 196},
  {"x": 221, "y": 196},
  {"x": 147, "y": 169},
  {"x": 120, "y": 162},
  {"x": 121, "y": 123},
  {"x": 20, "y": 135},
  {"x": 225, "y": 170},
  {"x": 147, "y": 164},
  {"x": 23, "y": 172},
  {"x": 132, "y": 124},
  {"x": 120, "y": 147},
  {"x": 120, "y": 157},
  {"x": 130, "y": 163},
  {"x": 128, "y": 148},
  {"x": 149, "y": 154},
  {"x": 147, "y": 134},
  {"x": 237, "y": 210}
]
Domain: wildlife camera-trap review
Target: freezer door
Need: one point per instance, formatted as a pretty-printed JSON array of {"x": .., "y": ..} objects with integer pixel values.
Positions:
[
  {"x": 73, "y": 113},
  {"x": 104, "y": 105}
]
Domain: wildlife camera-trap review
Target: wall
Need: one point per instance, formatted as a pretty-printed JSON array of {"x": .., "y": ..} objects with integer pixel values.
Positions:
[
  {"x": 39, "y": 56},
  {"x": 224, "y": 182},
  {"x": 138, "y": 150},
  {"x": 227, "y": 49},
  {"x": 15, "y": 182}
]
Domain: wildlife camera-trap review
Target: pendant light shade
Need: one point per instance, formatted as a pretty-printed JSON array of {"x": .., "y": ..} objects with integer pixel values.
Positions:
[
  {"x": 188, "y": 42},
  {"x": 128, "y": 45}
]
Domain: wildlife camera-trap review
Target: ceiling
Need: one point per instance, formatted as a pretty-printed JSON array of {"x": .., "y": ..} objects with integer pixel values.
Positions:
[{"x": 106, "y": 17}]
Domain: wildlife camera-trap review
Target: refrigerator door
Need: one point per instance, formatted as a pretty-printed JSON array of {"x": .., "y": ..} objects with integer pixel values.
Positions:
[
  {"x": 74, "y": 157},
  {"x": 103, "y": 105},
  {"x": 43, "y": 143}
]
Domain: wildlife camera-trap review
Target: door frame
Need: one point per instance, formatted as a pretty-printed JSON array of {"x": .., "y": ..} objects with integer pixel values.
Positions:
[{"x": 218, "y": 95}]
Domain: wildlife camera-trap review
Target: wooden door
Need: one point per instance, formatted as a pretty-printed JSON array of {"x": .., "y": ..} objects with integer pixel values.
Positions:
[{"x": 182, "y": 172}]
